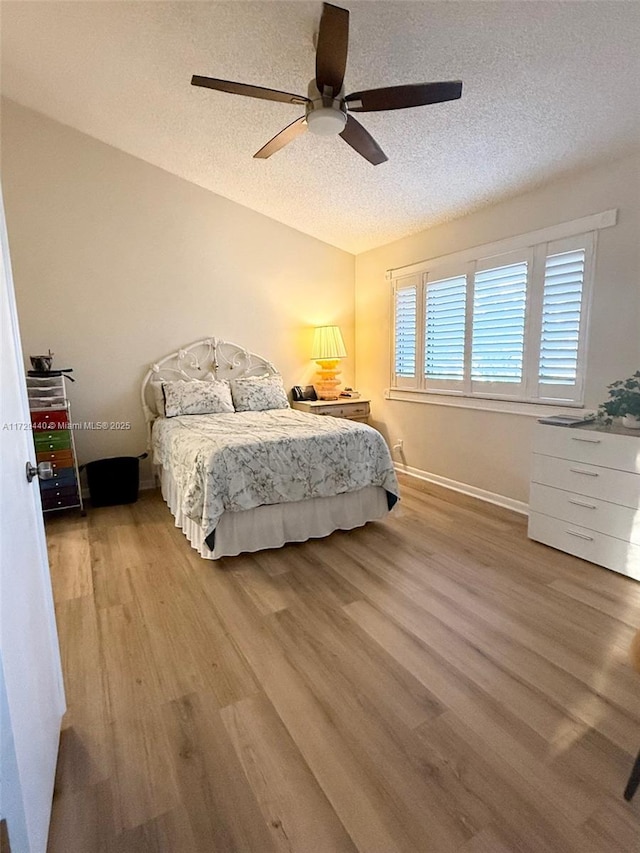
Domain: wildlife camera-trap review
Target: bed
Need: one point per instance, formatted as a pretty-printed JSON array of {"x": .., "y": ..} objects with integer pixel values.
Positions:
[{"x": 244, "y": 481}]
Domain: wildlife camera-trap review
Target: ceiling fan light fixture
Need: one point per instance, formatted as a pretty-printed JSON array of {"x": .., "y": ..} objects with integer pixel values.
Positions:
[
  {"x": 326, "y": 121},
  {"x": 328, "y": 111}
]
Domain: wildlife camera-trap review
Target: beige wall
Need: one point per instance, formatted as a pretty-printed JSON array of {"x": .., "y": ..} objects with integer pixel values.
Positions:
[
  {"x": 117, "y": 263},
  {"x": 488, "y": 450}
]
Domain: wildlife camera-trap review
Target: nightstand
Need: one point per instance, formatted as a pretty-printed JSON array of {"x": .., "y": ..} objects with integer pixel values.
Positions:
[{"x": 354, "y": 410}]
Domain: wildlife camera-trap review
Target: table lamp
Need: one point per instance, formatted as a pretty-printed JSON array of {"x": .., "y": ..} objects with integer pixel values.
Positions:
[{"x": 328, "y": 349}]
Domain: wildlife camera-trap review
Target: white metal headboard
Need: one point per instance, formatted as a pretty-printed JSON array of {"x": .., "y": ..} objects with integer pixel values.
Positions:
[{"x": 207, "y": 359}]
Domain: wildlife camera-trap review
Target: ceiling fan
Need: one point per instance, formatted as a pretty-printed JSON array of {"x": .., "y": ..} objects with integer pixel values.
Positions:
[{"x": 327, "y": 109}]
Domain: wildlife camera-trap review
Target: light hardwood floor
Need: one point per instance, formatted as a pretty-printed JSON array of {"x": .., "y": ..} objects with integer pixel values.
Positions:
[{"x": 431, "y": 683}]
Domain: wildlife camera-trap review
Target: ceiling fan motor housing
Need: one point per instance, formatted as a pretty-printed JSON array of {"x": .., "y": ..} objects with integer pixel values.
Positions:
[{"x": 325, "y": 115}]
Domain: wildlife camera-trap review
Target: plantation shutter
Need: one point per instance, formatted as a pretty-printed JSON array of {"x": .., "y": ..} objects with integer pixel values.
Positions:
[
  {"x": 561, "y": 313},
  {"x": 497, "y": 347},
  {"x": 405, "y": 334},
  {"x": 507, "y": 321},
  {"x": 444, "y": 332}
]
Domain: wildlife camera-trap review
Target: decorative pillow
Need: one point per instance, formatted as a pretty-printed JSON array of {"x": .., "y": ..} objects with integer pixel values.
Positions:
[
  {"x": 196, "y": 397},
  {"x": 258, "y": 393},
  {"x": 158, "y": 397}
]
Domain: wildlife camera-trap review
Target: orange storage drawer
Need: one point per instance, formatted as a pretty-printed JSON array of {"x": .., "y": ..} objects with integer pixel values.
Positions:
[
  {"x": 62, "y": 465},
  {"x": 61, "y": 458}
]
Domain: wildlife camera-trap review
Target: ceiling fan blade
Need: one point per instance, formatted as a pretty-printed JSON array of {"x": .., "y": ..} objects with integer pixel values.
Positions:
[
  {"x": 402, "y": 97},
  {"x": 361, "y": 141},
  {"x": 291, "y": 131},
  {"x": 249, "y": 91},
  {"x": 333, "y": 44}
]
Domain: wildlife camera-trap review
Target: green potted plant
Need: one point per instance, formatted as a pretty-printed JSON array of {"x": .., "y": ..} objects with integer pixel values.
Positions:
[{"x": 623, "y": 402}]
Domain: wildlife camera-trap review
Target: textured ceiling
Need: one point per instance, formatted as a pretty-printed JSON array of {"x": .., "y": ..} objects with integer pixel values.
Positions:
[{"x": 548, "y": 88}]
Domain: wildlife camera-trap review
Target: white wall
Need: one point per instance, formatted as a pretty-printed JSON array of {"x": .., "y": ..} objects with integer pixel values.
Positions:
[
  {"x": 117, "y": 263},
  {"x": 488, "y": 450}
]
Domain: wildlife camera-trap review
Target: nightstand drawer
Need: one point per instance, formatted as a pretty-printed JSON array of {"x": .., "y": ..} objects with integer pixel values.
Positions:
[
  {"x": 344, "y": 408},
  {"x": 585, "y": 543},
  {"x": 592, "y": 513},
  {"x": 619, "y": 487},
  {"x": 583, "y": 445},
  {"x": 350, "y": 410}
]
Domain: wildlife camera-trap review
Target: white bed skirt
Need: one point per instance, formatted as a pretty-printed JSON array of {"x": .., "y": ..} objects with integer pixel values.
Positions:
[{"x": 274, "y": 525}]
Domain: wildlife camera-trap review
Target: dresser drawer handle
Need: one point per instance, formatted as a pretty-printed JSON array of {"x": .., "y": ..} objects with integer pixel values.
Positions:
[
  {"x": 579, "y": 535},
  {"x": 586, "y": 473},
  {"x": 582, "y": 503},
  {"x": 588, "y": 440}
]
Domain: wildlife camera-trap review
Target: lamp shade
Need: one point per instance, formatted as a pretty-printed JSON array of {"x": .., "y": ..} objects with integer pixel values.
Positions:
[{"x": 328, "y": 343}]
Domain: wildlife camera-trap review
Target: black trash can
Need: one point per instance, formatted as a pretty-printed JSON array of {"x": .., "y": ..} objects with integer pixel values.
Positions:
[{"x": 114, "y": 481}]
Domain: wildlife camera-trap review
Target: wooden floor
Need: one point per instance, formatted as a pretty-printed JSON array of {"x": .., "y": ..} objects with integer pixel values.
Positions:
[{"x": 435, "y": 682}]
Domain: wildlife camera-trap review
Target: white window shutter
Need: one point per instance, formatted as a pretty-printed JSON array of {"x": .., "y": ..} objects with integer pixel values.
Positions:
[
  {"x": 561, "y": 317},
  {"x": 405, "y": 334},
  {"x": 444, "y": 333},
  {"x": 509, "y": 325},
  {"x": 499, "y": 307}
]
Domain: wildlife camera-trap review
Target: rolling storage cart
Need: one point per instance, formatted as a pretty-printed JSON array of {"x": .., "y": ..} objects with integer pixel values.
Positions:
[{"x": 54, "y": 441}]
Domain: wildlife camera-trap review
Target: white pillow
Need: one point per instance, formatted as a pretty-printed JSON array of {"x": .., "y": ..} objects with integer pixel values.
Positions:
[
  {"x": 197, "y": 397},
  {"x": 158, "y": 397},
  {"x": 259, "y": 393}
]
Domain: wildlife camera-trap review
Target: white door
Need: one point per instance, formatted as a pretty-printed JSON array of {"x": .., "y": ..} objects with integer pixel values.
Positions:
[{"x": 31, "y": 690}]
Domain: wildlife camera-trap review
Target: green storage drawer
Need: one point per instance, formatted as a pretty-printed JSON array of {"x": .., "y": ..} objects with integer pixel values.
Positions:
[{"x": 58, "y": 439}]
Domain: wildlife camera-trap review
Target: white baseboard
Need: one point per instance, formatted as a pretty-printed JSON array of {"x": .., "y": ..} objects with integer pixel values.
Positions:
[{"x": 464, "y": 488}]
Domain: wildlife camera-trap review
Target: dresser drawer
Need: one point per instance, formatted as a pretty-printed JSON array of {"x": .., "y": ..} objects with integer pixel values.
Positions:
[
  {"x": 602, "y": 516},
  {"x": 63, "y": 458},
  {"x": 583, "y": 445},
  {"x": 619, "y": 487},
  {"x": 56, "y": 440},
  {"x": 588, "y": 544}
]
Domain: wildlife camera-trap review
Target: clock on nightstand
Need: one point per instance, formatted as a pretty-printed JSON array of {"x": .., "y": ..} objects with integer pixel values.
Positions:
[{"x": 354, "y": 410}]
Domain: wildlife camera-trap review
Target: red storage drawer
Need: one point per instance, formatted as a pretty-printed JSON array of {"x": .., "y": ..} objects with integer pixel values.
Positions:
[{"x": 50, "y": 420}]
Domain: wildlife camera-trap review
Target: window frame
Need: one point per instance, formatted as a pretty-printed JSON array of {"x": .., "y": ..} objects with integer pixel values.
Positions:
[{"x": 535, "y": 248}]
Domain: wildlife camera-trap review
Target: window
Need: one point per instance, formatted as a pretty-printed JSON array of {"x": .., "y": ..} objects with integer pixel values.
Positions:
[{"x": 508, "y": 324}]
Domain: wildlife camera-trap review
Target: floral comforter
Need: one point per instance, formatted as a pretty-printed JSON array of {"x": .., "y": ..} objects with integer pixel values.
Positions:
[{"x": 232, "y": 462}]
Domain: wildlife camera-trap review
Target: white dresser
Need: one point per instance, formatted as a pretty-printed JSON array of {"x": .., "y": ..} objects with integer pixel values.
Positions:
[{"x": 585, "y": 494}]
